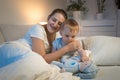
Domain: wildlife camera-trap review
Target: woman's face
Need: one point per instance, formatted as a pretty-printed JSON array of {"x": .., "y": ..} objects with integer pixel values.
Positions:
[{"x": 55, "y": 22}]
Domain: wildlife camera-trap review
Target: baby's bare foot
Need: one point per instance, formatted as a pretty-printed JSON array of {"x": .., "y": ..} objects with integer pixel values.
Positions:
[{"x": 84, "y": 65}]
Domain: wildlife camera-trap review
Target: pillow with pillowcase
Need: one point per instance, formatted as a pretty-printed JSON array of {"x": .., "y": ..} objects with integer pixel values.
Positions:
[{"x": 105, "y": 49}]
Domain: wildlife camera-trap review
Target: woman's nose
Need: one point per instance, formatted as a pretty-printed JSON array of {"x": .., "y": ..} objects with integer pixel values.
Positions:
[{"x": 69, "y": 38}]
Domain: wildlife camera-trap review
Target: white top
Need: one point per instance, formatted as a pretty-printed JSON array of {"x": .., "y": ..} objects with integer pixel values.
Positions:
[{"x": 38, "y": 32}]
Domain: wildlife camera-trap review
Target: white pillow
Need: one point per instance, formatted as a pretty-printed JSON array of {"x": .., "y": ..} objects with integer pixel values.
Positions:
[
  {"x": 105, "y": 49},
  {"x": 14, "y": 32},
  {"x": 25, "y": 69}
]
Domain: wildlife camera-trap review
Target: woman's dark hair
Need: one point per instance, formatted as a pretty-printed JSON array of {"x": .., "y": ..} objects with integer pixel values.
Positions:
[{"x": 61, "y": 11}]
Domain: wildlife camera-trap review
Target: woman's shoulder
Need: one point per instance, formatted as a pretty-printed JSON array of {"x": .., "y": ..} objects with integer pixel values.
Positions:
[
  {"x": 36, "y": 29},
  {"x": 37, "y": 26}
]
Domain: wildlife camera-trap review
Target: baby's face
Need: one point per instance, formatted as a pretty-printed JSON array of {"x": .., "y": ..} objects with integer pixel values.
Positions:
[{"x": 68, "y": 36}]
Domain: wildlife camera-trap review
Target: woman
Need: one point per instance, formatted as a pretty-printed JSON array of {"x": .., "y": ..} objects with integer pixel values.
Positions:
[{"x": 37, "y": 40}]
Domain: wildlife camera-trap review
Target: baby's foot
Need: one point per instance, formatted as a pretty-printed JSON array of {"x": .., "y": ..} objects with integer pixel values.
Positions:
[{"x": 84, "y": 65}]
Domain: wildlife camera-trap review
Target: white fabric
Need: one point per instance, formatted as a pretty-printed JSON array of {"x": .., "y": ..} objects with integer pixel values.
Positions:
[
  {"x": 108, "y": 73},
  {"x": 13, "y": 32},
  {"x": 25, "y": 69},
  {"x": 105, "y": 49},
  {"x": 58, "y": 35},
  {"x": 36, "y": 31},
  {"x": 54, "y": 74},
  {"x": 33, "y": 67}
]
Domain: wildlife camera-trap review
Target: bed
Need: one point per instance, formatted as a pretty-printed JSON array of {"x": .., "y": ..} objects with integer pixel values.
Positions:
[{"x": 105, "y": 54}]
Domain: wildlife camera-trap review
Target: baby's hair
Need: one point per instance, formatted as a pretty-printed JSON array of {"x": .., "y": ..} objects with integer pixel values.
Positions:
[{"x": 71, "y": 24}]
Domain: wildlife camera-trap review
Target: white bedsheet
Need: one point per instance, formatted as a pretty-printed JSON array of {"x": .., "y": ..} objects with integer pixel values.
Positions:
[{"x": 108, "y": 73}]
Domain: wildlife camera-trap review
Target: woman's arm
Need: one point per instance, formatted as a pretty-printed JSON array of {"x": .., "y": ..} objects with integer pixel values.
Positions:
[{"x": 39, "y": 47}]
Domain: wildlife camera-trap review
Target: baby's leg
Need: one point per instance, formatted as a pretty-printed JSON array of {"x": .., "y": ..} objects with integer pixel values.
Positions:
[
  {"x": 84, "y": 65},
  {"x": 57, "y": 63},
  {"x": 91, "y": 68}
]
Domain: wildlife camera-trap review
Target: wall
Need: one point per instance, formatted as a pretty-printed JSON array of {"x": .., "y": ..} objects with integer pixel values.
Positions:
[
  {"x": 33, "y": 11},
  {"x": 109, "y": 13},
  {"x": 27, "y": 11},
  {"x": 118, "y": 23}
]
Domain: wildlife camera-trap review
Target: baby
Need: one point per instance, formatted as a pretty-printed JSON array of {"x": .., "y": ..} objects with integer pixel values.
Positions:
[{"x": 79, "y": 63}]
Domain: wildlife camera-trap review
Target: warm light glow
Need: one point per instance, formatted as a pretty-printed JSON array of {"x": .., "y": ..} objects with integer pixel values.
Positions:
[
  {"x": 42, "y": 23},
  {"x": 27, "y": 11},
  {"x": 32, "y": 11}
]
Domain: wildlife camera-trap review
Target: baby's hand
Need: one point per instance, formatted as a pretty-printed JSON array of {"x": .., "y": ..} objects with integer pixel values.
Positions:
[{"x": 84, "y": 58}]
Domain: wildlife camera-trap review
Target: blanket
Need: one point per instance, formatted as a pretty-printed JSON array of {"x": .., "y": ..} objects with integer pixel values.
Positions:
[
  {"x": 33, "y": 67},
  {"x": 54, "y": 74}
]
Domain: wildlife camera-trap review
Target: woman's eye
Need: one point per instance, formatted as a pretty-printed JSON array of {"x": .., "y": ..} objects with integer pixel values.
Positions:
[{"x": 60, "y": 23}]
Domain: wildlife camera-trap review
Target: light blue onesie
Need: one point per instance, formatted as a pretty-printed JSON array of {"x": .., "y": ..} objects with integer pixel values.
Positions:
[{"x": 70, "y": 63}]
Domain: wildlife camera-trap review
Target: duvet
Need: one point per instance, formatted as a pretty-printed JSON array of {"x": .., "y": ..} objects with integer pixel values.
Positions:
[{"x": 33, "y": 67}]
